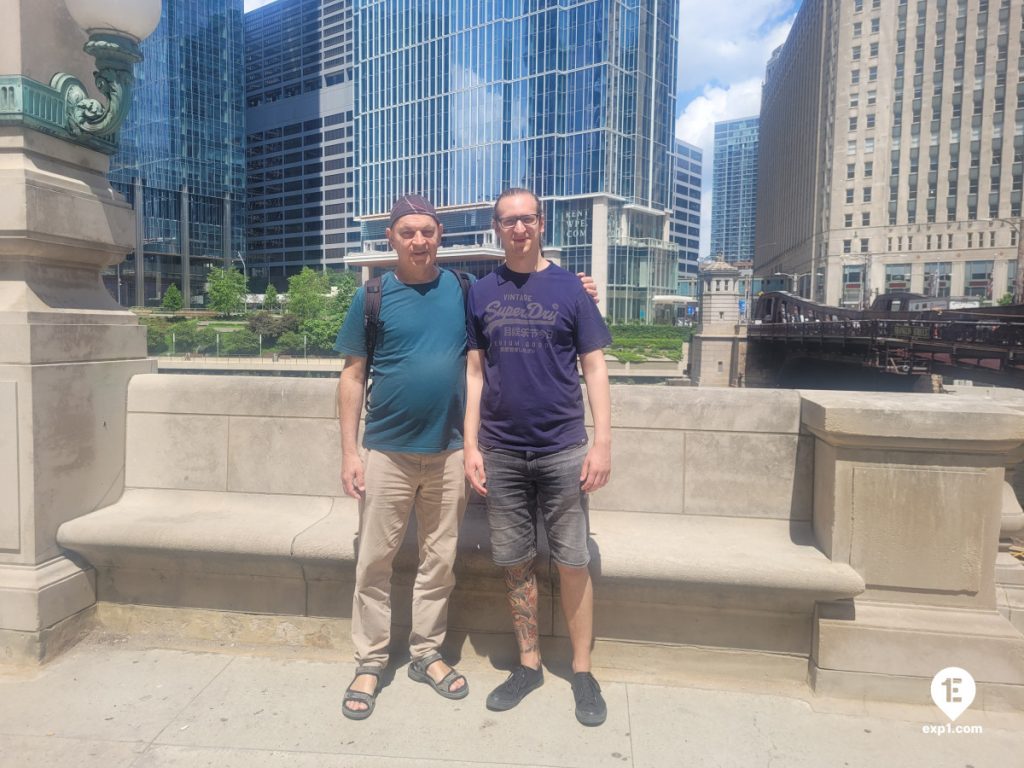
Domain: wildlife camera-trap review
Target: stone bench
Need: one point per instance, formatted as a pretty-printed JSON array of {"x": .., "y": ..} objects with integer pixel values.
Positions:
[
  {"x": 750, "y": 521},
  {"x": 233, "y": 503}
]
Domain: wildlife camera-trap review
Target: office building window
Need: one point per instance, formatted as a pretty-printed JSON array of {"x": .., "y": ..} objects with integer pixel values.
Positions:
[
  {"x": 978, "y": 279},
  {"x": 938, "y": 277},
  {"x": 897, "y": 277},
  {"x": 853, "y": 284}
]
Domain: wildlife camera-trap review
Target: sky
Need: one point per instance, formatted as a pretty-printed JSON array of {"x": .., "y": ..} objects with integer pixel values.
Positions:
[{"x": 723, "y": 47}]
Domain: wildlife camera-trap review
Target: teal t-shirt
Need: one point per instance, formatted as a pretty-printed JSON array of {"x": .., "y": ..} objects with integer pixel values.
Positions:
[{"x": 418, "y": 397}]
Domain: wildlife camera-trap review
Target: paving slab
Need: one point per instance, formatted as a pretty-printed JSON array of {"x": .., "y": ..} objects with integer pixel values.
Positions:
[
  {"x": 275, "y": 705},
  {"x": 721, "y": 729},
  {"x": 198, "y": 757},
  {"x": 105, "y": 705},
  {"x": 106, "y": 694},
  {"x": 50, "y": 750}
]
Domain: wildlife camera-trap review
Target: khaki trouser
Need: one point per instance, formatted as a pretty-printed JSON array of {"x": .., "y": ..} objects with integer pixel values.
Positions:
[{"x": 435, "y": 484}]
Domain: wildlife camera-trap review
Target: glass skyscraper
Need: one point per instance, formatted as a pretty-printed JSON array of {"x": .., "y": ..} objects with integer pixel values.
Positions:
[
  {"x": 734, "y": 194},
  {"x": 573, "y": 99},
  {"x": 299, "y": 65},
  {"x": 180, "y": 161},
  {"x": 687, "y": 167}
]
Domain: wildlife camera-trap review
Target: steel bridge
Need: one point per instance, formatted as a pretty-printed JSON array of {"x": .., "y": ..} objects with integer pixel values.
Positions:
[{"x": 985, "y": 343}]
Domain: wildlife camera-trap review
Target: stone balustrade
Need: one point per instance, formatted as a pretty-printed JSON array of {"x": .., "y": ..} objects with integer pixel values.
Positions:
[{"x": 853, "y": 535}]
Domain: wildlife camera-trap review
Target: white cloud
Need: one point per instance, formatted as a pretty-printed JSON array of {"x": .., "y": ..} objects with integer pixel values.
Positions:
[
  {"x": 723, "y": 49},
  {"x": 697, "y": 123},
  {"x": 725, "y": 42},
  {"x": 252, "y": 5}
]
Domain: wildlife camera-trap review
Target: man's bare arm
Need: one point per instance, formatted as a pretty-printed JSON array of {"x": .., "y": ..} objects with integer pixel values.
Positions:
[
  {"x": 597, "y": 467},
  {"x": 350, "y": 408},
  {"x": 474, "y": 460}
]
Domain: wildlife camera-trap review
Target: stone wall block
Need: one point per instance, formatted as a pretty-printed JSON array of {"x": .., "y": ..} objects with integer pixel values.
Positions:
[
  {"x": 647, "y": 406},
  {"x": 258, "y": 396},
  {"x": 177, "y": 451},
  {"x": 747, "y": 475},
  {"x": 284, "y": 455},
  {"x": 651, "y": 460},
  {"x": 10, "y": 503}
]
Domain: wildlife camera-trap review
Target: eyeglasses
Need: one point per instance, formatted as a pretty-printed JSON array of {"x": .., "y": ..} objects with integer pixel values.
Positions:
[{"x": 509, "y": 222}]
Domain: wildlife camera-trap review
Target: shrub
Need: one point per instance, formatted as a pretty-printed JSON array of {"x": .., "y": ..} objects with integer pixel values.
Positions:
[
  {"x": 243, "y": 342},
  {"x": 158, "y": 339},
  {"x": 172, "y": 300}
]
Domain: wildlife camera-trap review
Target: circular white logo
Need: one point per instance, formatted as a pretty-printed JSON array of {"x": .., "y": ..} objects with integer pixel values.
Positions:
[{"x": 953, "y": 691}]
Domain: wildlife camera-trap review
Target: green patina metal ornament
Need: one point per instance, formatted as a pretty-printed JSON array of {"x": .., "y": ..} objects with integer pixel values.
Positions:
[
  {"x": 115, "y": 56},
  {"x": 31, "y": 104}
]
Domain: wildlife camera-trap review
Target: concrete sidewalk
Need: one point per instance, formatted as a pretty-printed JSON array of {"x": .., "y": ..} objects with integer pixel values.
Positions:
[{"x": 111, "y": 705}]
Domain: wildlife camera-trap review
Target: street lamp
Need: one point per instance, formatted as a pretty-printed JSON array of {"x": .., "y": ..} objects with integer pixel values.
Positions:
[
  {"x": 115, "y": 27},
  {"x": 238, "y": 257}
]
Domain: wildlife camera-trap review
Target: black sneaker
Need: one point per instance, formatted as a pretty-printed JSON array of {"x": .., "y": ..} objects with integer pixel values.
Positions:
[
  {"x": 512, "y": 691},
  {"x": 590, "y": 706}
]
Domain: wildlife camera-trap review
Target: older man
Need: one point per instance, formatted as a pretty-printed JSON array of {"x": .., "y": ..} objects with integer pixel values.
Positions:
[{"x": 412, "y": 455}]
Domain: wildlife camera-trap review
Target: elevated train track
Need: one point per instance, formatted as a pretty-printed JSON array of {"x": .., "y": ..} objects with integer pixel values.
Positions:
[{"x": 984, "y": 343}]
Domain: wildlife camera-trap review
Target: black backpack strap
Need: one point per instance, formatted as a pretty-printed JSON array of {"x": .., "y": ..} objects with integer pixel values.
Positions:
[
  {"x": 371, "y": 321},
  {"x": 463, "y": 278}
]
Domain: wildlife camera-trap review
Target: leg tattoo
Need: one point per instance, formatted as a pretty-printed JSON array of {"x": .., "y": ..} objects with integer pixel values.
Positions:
[{"x": 521, "y": 586}]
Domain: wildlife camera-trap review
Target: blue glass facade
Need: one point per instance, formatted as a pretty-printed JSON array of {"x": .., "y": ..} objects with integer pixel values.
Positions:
[
  {"x": 734, "y": 195},
  {"x": 687, "y": 167},
  {"x": 573, "y": 99},
  {"x": 300, "y": 117},
  {"x": 181, "y": 149}
]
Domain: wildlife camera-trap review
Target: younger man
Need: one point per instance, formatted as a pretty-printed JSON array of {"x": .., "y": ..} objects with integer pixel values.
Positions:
[{"x": 525, "y": 444}]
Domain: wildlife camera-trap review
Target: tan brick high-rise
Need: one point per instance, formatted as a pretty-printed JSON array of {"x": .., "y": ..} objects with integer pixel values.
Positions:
[{"x": 892, "y": 149}]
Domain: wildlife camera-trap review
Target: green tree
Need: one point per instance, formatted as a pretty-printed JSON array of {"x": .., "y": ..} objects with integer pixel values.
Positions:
[
  {"x": 158, "y": 335},
  {"x": 227, "y": 290},
  {"x": 320, "y": 333},
  {"x": 192, "y": 337},
  {"x": 172, "y": 301},
  {"x": 1005, "y": 300},
  {"x": 241, "y": 342},
  {"x": 291, "y": 342},
  {"x": 345, "y": 282},
  {"x": 270, "y": 325},
  {"x": 270, "y": 298},
  {"x": 308, "y": 294}
]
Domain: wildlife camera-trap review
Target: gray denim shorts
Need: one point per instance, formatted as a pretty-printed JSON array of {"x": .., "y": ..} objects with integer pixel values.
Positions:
[{"x": 521, "y": 485}]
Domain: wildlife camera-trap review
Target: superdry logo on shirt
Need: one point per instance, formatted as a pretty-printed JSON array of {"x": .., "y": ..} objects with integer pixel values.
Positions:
[{"x": 513, "y": 326}]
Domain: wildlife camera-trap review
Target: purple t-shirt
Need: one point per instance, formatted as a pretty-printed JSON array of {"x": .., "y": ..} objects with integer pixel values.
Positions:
[{"x": 531, "y": 328}]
